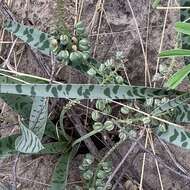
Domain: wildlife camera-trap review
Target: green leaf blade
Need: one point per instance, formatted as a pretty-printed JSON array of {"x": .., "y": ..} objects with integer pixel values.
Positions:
[
  {"x": 175, "y": 53},
  {"x": 178, "y": 77},
  {"x": 183, "y": 27},
  {"x": 38, "y": 116}
]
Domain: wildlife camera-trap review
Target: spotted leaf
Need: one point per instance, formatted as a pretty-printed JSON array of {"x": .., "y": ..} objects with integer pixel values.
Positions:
[
  {"x": 85, "y": 91},
  {"x": 176, "y": 136}
]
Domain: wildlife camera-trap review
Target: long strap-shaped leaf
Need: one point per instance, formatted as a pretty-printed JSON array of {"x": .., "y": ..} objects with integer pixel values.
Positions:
[
  {"x": 85, "y": 91},
  {"x": 183, "y": 114},
  {"x": 178, "y": 77},
  {"x": 180, "y": 100},
  {"x": 176, "y": 136},
  {"x": 35, "y": 38},
  {"x": 61, "y": 172},
  {"x": 60, "y": 175},
  {"x": 28, "y": 142},
  {"x": 38, "y": 116}
]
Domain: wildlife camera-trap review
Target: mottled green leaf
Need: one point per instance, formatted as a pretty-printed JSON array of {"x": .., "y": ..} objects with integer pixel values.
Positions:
[
  {"x": 182, "y": 113},
  {"x": 60, "y": 175},
  {"x": 35, "y": 38},
  {"x": 38, "y": 116},
  {"x": 176, "y": 136},
  {"x": 85, "y": 91},
  {"x": 180, "y": 100},
  {"x": 28, "y": 142}
]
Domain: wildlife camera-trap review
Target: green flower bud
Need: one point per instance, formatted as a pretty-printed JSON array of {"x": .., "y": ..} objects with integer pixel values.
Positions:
[
  {"x": 163, "y": 68},
  {"x": 101, "y": 174},
  {"x": 125, "y": 110},
  {"x": 88, "y": 175},
  {"x": 119, "y": 55},
  {"x": 64, "y": 39},
  {"x": 122, "y": 135},
  {"x": 107, "y": 109},
  {"x": 162, "y": 127},
  {"x": 149, "y": 101},
  {"x": 109, "y": 126},
  {"x": 85, "y": 54},
  {"x": 98, "y": 126},
  {"x": 83, "y": 168},
  {"x": 89, "y": 159},
  {"x": 63, "y": 55},
  {"x": 157, "y": 77},
  {"x": 132, "y": 133},
  {"x": 91, "y": 72},
  {"x": 80, "y": 31},
  {"x": 99, "y": 182},
  {"x": 83, "y": 48},
  {"x": 76, "y": 57},
  {"x": 101, "y": 104},
  {"x": 79, "y": 24},
  {"x": 95, "y": 115},
  {"x": 102, "y": 68},
  {"x": 164, "y": 100},
  {"x": 146, "y": 120},
  {"x": 84, "y": 42},
  {"x": 105, "y": 165},
  {"x": 99, "y": 188},
  {"x": 157, "y": 102},
  {"x": 109, "y": 63},
  {"x": 79, "y": 188},
  {"x": 119, "y": 79}
]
